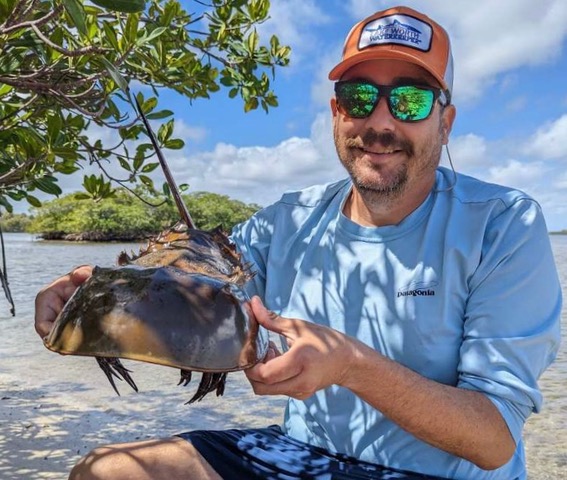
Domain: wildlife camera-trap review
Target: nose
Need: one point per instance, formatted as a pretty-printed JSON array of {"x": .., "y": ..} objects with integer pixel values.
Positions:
[{"x": 381, "y": 119}]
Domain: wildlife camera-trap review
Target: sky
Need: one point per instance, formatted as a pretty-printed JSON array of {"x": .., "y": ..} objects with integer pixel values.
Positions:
[{"x": 510, "y": 91}]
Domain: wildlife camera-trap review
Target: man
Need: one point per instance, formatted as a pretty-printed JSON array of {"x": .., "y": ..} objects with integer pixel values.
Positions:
[{"x": 417, "y": 307}]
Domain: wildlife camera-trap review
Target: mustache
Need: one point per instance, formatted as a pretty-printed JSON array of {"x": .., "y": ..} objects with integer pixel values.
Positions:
[{"x": 387, "y": 140}]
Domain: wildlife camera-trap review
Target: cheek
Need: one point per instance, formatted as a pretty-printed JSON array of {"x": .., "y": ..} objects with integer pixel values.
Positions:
[{"x": 345, "y": 128}]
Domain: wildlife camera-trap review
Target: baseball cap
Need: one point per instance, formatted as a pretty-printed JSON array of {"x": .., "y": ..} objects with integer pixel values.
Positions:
[{"x": 399, "y": 33}]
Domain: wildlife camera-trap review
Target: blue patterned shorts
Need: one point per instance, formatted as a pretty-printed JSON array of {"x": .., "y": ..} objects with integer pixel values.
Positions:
[{"x": 266, "y": 453}]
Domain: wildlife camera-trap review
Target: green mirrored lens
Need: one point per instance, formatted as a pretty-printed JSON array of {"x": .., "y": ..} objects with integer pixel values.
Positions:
[
  {"x": 357, "y": 99},
  {"x": 410, "y": 103}
]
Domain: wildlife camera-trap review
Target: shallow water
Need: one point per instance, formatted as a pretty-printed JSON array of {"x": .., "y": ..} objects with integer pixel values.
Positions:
[{"x": 53, "y": 411}]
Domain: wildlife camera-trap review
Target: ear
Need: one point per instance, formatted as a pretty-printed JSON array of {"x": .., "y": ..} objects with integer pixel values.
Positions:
[
  {"x": 334, "y": 109},
  {"x": 447, "y": 118}
]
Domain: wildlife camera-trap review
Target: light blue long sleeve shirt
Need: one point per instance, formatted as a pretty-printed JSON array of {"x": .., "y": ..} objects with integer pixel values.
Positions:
[{"x": 464, "y": 291}]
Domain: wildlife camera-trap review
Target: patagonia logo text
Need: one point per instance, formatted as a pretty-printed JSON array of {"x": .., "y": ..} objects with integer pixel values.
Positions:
[{"x": 418, "y": 289}]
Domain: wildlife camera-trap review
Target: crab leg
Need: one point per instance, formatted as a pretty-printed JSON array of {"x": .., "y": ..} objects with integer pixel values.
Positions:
[
  {"x": 185, "y": 377},
  {"x": 209, "y": 382},
  {"x": 112, "y": 367}
]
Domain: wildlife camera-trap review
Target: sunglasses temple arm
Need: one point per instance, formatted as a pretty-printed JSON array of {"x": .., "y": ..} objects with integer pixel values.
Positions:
[{"x": 167, "y": 172}]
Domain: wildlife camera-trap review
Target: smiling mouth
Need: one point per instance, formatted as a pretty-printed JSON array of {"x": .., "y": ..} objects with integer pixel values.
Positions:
[{"x": 383, "y": 152}]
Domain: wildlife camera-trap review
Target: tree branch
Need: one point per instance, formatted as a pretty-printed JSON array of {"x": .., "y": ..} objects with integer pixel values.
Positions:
[
  {"x": 68, "y": 53},
  {"x": 38, "y": 23}
]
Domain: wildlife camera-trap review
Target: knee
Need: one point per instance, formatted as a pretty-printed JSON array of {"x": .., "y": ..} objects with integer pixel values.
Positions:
[{"x": 98, "y": 464}]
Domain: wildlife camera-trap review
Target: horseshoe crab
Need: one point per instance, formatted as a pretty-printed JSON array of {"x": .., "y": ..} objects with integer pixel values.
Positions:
[{"x": 179, "y": 303}]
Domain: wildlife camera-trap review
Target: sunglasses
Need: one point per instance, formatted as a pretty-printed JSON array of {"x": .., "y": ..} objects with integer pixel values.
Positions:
[{"x": 407, "y": 103}]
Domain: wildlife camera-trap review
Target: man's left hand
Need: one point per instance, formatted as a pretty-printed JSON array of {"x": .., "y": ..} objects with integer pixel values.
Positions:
[{"x": 317, "y": 357}]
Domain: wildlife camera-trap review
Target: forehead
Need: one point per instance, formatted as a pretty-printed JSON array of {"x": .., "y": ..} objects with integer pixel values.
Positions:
[{"x": 387, "y": 72}]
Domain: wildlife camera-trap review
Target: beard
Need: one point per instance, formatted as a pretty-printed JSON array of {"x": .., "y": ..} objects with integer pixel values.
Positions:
[{"x": 378, "y": 184}]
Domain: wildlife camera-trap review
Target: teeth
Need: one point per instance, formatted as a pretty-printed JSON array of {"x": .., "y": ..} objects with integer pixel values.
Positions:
[{"x": 387, "y": 152}]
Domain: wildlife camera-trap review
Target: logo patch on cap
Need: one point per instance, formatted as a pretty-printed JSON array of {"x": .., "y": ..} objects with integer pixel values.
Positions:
[{"x": 397, "y": 29}]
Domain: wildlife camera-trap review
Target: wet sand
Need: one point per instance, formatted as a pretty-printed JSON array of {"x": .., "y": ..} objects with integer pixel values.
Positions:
[
  {"x": 53, "y": 409},
  {"x": 48, "y": 422}
]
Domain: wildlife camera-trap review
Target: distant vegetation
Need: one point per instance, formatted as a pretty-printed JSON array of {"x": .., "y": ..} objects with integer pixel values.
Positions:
[
  {"x": 124, "y": 217},
  {"x": 14, "y": 222}
]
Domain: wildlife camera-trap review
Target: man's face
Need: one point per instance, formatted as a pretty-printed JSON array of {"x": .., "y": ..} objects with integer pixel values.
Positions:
[{"x": 385, "y": 157}]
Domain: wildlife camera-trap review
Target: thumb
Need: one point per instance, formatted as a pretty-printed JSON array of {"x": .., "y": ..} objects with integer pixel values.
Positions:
[
  {"x": 268, "y": 319},
  {"x": 80, "y": 274}
]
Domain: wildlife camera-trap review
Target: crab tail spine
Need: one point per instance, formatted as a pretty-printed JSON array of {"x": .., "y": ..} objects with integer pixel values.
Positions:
[{"x": 167, "y": 172}]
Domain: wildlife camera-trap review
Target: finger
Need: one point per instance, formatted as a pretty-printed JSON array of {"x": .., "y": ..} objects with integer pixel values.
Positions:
[
  {"x": 271, "y": 320},
  {"x": 271, "y": 352},
  {"x": 51, "y": 299},
  {"x": 48, "y": 304},
  {"x": 294, "y": 387},
  {"x": 279, "y": 369},
  {"x": 80, "y": 274}
]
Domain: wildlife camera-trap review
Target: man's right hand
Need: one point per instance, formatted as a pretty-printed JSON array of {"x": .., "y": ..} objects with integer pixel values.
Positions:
[{"x": 51, "y": 299}]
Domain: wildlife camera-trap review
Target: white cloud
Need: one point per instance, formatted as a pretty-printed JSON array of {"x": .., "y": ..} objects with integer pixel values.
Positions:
[
  {"x": 493, "y": 38},
  {"x": 468, "y": 152},
  {"x": 550, "y": 142},
  {"x": 561, "y": 182},
  {"x": 261, "y": 174},
  {"x": 189, "y": 133},
  {"x": 322, "y": 87},
  {"x": 517, "y": 174}
]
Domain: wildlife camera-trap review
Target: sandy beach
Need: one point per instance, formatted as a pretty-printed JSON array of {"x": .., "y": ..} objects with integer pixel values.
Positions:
[{"x": 53, "y": 409}]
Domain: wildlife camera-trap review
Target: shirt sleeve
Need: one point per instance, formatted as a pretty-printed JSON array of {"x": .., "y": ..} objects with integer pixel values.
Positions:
[
  {"x": 252, "y": 239},
  {"x": 512, "y": 321}
]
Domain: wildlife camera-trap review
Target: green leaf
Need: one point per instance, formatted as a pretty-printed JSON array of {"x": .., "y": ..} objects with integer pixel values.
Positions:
[
  {"x": 76, "y": 11},
  {"x": 138, "y": 162},
  {"x": 83, "y": 196},
  {"x": 54, "y": 126},
  {"x": 149, "y": 105},
  {"x": 150, "y": 167},
  {"x": 6, "y": 204},
  {"x": 131, "y": 29},
  {"x": 111, "y": 35},
  {"x": 116, "y": 76},
  {"x": 253, "y": 41},
  {"x": 154, "y": 34},
  {"x": 147, "y": 181},
  {"x": 165, "y": 131},
  {"x": 47, "y": 184},
  {"x": 125, "y": 6},
  {"x": 90, "y": 183},
  {"x": 227, "y": 81},
  {"x": 5, "y": 89},
  {"x": 174, "y": 144},
  {"x": 159, "y": 115},
  {"x": 33, "y": 201},
  {"x": 124, "y": 164},
  {"x": 251, "y": 104}
]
